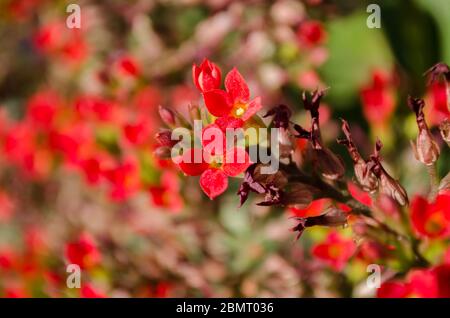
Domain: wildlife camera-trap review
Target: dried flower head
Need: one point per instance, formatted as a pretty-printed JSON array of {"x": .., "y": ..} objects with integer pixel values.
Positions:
[
  {"x": 388, "y": 185},
  {"x": 425, "y": 148},
  {"x": 363, "y": 174}
]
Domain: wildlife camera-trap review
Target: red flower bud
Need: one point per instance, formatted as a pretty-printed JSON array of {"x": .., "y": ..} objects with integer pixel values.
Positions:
[
  {"x": 207, "y": 76},
  {"x": 164, "y": 138},
  {"x": 168, "y": 116},
  {"x": 162, "y": 152}
]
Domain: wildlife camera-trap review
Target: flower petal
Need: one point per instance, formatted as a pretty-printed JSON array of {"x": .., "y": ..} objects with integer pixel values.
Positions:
[
  {"x": 207, "y": 76},
  {"x": 192, "y": 162},
  {"x": 218, "y": 102},
  {"x": 213, "y": 140},
  {"x": 236, "y": 161},
  {"x": 213, "y": 182},
  {"x": 253, "y": 107},
  {"x": 237, "y": 87},
  {"x": 195, "y": 73},
  {"x": 229, "y": 122}
]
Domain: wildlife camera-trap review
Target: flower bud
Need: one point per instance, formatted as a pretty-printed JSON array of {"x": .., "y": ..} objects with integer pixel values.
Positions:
[
  {"x": 162, "y": 152},
  {"x": 207, "y": 76},
  {"x": 268, "y": 184},
  {"x": 168, "y": 116},
  {"x": 387, "y": 184},
  {"x": 194, "y": 113},
  {"x": 444, "y": 185},
  {"x": 425, "y": 148},
  {"x": 367, "y": 180},
  {"x": 281, "y": 116},
  {"x": 300, "y": 195},
  {"x": 329, "y": 164},
  {"x": 444, "y": 128},
  {"x": 439, "y": 71},
  {"x": 331, "y": 217},
  {"x": 164, "y": 138}
]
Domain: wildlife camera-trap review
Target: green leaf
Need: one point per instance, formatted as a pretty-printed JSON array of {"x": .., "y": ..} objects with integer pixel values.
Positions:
[{"x": 355, "y": 50}]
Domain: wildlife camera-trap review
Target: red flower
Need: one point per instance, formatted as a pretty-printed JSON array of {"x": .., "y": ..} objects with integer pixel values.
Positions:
[
  {"x": 75, "y": 49},
  {"x": 94, "y": 107},
  {"x": 124, "y": 178},
  {"x": 311, "y": 33},
  {"x": 335, "y": 251},
  {"x": 7, "y": 207},
  {"x": 437, "y": 97},
  {"x": 83, "y": 252},
  {"x": 377, "y": 99},
  {"x": 314, "y": 209},
  {"x": 127, "y": 65},
  {"x": 359, "y": 194},
  {"x": 392, "y": 289},
  {"x": 16, "y": 292},
  {"x": 58, "y": 41},
  {"x": 48, "y": 37},
  {"x": 167, "y": 193},
  {"x": 423, "y": 283},
  {"x": 235, "y": 101},
  {"x": 137, "y": 133},
  {"x": 431, "y": 219},
  {"x": 42, "y": 108},
  {"x": 89, "y": 291},
  {"x": 215, "y": 163},
  {"x": 207, "y": 76}
]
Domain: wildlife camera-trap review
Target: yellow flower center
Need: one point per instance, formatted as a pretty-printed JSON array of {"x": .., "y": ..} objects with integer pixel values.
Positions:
[
  {"x": 216, "y": 162},
  {"x": 434, "y": 223},
  {"x": 239, "y": 109}
]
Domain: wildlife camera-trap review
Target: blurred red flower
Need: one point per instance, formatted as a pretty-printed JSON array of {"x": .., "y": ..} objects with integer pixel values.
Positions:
[
  {"x": 89, "y": 291},
  {"x": 335, "y": 251},
  {"x": 377, "y": 98},
  {"x": 83, "y": 252},
  {"x": 311, "y": 33},
  {"x": 422, "y": 283},
  {"x": 431, "y": 219},
  {"x": 235, "y": 101}
]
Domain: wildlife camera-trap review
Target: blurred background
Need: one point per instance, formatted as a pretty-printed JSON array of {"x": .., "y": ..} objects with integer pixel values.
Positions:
[{"x": 79, "y": 108}]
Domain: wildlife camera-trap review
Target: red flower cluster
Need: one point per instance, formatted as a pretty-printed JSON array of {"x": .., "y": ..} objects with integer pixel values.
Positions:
[
  {"x": 216, "y": 161},
  {"x": 102, "y": 139},
  {"x": 234, "y": 101},
  {"x": 423, "y": 283},
  {"x": 215, "y": 168}
]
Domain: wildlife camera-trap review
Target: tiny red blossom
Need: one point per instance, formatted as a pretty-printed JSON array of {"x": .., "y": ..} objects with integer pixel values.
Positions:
[
  {"x": 335, "y": 251},
  {"x": 234, "y": 101}
]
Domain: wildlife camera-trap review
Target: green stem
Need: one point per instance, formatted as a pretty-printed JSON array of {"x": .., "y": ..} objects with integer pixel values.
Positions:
[{"x": 434, "y": 181}]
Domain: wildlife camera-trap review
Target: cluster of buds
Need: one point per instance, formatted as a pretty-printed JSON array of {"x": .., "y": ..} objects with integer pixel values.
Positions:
[
  {"x": 370, "y": 174},
  {"x": 330, "y": 164}
]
